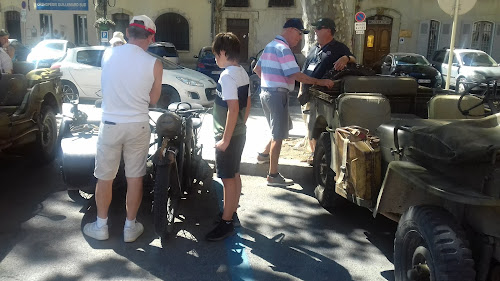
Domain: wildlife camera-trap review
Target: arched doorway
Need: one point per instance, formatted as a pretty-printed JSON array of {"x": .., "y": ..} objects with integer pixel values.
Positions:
[
  {"x": 173, "y": 28},
  {"x": 377, "y": 38},
  {"x": 13, "y": 24}
]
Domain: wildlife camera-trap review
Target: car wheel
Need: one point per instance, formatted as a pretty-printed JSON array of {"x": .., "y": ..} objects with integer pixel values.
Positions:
[
  {"x": 46, "y": 139},
  {"x": 461, "y": 86},
  {"x": 430, "y": 245},
  {"x": 168, "y": 95},
  {"x": 70, "y": 92},
  {"x": 324, "y": 175}
]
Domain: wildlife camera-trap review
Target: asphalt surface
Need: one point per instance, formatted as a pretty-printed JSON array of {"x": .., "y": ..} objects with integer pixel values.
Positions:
[{"x": 284, "y": 235}]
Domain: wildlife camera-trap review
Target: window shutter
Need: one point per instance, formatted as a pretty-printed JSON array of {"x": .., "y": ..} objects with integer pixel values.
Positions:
[
  {"x": 423, "y": 37},
  {"x": 445, "y": 36},
  {"x": 495, "y": 48},
  {"x": 464, "y": 38}
]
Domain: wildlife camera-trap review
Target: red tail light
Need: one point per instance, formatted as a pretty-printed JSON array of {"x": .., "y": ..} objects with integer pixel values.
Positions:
[
  {"x": 55, "y": 66},
  {"x": 201, "y": 65}
]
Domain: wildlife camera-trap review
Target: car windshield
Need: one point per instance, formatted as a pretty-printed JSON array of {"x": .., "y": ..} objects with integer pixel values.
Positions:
[
  {"x": 163, "y": 51},
  {"x": 477, "y": 59},
  {"x": 407, "y": 59},
  {"x": 166, "y": 63},
  {"x": 52, "y": 45},
  {"x": 207, "y": 55}
]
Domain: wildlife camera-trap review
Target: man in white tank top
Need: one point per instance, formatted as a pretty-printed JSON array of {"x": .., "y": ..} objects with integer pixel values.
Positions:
[{"x": 131, "y": 81}]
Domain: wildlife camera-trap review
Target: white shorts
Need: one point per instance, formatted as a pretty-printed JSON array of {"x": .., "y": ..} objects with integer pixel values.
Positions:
[{"x": 131, "y": 139}]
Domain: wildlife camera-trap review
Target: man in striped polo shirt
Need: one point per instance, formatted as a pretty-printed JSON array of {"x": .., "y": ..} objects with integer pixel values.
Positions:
[{"x": 278, "y": 70}]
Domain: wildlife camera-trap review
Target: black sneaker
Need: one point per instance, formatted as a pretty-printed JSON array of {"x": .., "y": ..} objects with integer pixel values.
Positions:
[
  {"x": 222, "y": 230},
  {"x": 236, "y": 220}
]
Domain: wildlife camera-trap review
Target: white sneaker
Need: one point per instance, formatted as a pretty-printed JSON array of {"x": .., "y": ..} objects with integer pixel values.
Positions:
[
  {"x": 91, "y": 230},
  {"x": 130, "y": 234}
]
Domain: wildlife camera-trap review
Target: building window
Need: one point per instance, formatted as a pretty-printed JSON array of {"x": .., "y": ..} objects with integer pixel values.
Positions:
[
  {"x": 13, "y": 22},
  {"x": 481, "y": 36},
  {"x": 45, "y": 26},
  {"x": 81, "y": 31},
  {"x": 173, "y": 28},
  {"x": 281, "y": 3},
  {"x": 433, "y": 38},
  {"x": 236, "y": 3},
  {"x": 122, "y": 21}
]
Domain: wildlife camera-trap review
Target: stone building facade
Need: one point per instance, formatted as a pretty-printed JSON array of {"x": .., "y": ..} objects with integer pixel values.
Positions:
[{"x": 418, "y": 26}]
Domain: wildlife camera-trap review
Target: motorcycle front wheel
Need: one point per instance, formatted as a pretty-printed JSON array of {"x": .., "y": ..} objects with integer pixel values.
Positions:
[{"x": 166, "y": 201}]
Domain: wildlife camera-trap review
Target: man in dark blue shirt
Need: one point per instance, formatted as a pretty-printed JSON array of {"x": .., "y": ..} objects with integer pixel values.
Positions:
[{"x": 325, "y": 55}]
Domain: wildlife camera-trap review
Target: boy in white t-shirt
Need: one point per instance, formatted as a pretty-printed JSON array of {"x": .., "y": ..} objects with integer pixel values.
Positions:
[{"x": 230, "y": 113}]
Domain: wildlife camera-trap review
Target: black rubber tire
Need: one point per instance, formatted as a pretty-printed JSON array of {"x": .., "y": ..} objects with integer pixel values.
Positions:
[
  {"x": 324, "y": 176},
  {"x": 46, "y": 137},
  {"x": 430, "y": 235},
  {"x": 70, "y": 92},
  {"x": 168, "y": 95},
  {"x": 165, "y": 202}
]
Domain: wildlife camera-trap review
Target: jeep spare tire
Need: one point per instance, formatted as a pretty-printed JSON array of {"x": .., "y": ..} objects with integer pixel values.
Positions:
[
  {"x": 430, "y": 245},
  {"x": 46, "y": 138}
]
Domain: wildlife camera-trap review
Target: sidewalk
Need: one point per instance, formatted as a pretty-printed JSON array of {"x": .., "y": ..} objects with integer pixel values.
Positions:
[{"x": 258, "y": 134}]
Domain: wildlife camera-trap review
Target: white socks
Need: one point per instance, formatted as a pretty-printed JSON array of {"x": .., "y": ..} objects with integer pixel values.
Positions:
[
  {"x": 101, "y": 222},
  {"x": 129, "y": 223}
]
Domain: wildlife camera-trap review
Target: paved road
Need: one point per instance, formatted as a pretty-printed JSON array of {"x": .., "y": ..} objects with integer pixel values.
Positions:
[{"x": 284, "y": 233}]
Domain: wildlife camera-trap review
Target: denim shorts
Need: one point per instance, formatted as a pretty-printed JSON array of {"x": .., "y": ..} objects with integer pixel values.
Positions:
[
  {"x": 227, "y": 163},
  {"x": 275, "y": 106}
]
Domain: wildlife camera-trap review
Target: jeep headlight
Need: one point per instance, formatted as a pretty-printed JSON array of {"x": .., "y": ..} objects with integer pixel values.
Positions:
[
  {"x": 190, "y": 82},
  {"x": 476, "y": 77}
]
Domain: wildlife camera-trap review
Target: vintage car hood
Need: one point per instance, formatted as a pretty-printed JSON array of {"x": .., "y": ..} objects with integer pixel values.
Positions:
[{"x": 492, "y": 71}]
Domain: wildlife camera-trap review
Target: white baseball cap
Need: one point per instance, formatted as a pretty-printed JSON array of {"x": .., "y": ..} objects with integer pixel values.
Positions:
[{"x": 149, "y": 25}]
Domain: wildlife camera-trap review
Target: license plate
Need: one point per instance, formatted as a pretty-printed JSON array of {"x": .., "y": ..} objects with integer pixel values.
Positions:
[
  {"x": 424, "y": 80},
  {"x": 216, "y": 72}
]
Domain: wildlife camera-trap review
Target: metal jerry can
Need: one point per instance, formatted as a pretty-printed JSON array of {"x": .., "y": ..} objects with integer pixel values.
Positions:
[{"x": 358, "y": 169}]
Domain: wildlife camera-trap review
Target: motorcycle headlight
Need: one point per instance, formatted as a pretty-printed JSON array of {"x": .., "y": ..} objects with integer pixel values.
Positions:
[
  {"x": 476, "y": 77},
  {"x": 190, "y": 82}
]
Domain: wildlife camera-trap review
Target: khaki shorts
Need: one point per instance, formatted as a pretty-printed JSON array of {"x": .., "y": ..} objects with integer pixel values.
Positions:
[{"x": 131, "y": 139}]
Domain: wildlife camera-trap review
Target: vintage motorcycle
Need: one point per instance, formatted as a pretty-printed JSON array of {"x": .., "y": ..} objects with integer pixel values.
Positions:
[{"x": 174, "y": 164}]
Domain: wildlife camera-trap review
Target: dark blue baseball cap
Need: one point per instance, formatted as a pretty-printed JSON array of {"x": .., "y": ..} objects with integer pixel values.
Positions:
[{"x": 295, "y": 23}]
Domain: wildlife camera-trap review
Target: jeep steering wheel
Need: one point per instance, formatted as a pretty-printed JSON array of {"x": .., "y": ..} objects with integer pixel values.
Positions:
[{"x": 490, "y": 96}]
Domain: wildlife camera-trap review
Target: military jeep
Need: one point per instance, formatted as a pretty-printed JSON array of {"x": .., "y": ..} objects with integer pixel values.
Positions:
[
  {"x": 28, "y": 107},
  {"x": 429, "y": 160}
]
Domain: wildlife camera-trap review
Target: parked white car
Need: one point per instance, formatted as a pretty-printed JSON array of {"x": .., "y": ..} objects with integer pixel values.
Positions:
[
  {"x": 81, "y": 68},
  {"x": 45, "y": 53},
  {"x": 165, "y": 50}
]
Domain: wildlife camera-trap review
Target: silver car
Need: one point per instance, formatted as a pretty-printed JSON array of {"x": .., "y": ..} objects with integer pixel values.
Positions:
[{"x": 468, "y": 67}]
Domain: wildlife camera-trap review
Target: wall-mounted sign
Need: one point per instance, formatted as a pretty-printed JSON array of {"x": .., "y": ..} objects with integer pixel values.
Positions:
[
  {"x": 104, "y": 36},
  {"x": 405, "y": 33},
  {"x": 79, "y": 5}
]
